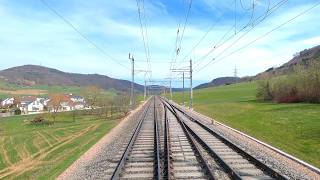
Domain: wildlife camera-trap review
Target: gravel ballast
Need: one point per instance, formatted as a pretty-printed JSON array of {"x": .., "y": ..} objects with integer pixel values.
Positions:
[
  {"x": 95, "y": 163},
  {"x": 284, "y": 164},
  {"x": 99, "y": 162}
]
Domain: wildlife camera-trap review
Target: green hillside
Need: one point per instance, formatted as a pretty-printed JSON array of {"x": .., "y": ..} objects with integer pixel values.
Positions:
[
  {"x": 293, "y": 128},
  {"x": 9, "y": 90}
]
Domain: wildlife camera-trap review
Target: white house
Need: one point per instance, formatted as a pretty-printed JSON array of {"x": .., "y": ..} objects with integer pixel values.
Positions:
[
  {"x": 7, "y": 102},
  {"x": 79, "y": 105},
  {"x": 66, "y": 106},
  {"x": 46, "y": 101},
  {"x": 36, "y": 106},
  {"x": 77, "y": 99}
]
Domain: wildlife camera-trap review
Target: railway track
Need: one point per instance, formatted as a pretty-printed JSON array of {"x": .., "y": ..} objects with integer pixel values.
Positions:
[
  {"x": 234, "y": 161},
  {"x": 141, "y": 157},
  {"x": 170, "y": 144},
  {"x": 183, "y": 158}
]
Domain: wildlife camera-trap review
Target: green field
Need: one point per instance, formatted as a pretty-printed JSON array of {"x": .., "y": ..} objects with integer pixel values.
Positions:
[
  {"x": 29, "y": 151},
  {"x": 293, "y": 128}
]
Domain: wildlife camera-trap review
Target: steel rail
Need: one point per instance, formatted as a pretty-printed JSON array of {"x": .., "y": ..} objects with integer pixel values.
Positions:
[
  {"x": 271, "y": 172},
  {"x": 193, "y": 144},
  {"x": 157, "y": 142},
  {"x": 124, "y": 156},
  {"x": 167, "y": 148}
]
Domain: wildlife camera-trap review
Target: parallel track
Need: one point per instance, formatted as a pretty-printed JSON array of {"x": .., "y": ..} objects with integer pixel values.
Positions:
[
  {"x": 183, "y": 158},
  {"x": 236, "y": 162},
  {"x": 169, "y": 143}
]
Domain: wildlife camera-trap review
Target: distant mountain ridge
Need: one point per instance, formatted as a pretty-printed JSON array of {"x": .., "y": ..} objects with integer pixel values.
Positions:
[
  {"x": 29, "y": 75},
  {"x": 218, "y": 82}
]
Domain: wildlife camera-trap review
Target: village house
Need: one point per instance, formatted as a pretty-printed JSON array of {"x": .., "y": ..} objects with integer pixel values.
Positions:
[
  {"x": 78, "y": 102},
  {"x": 29, "y": 104},
  {"x": 36, "y": 105},
  {"x": 7, "y": 102},
  {"x": 71, "y": 102},
  {"x": 77, "y": 99},
  {"x": 67, "y": 106}
]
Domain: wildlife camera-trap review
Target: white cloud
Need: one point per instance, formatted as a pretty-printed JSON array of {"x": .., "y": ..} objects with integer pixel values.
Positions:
[
  {"x": 312, "y": 41},
  {"x": 115, "y": 27}
]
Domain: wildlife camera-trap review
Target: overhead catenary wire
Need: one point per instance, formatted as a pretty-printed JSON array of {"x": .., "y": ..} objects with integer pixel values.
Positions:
[
  {"x": 144, "y": 35},
  {"x": 185, "y": 24},
  {"x": 244, "y": 8},
  {"x": 218, "y": 44},
  {"x": 262, "y": 36},
  {"x": 179, "y": 40},
  {"x": 68, "y": 22},
  {"x": 255, "y": 23},
  {"x": 203, "y": 37},
  {"x": 147, "y": 39}
]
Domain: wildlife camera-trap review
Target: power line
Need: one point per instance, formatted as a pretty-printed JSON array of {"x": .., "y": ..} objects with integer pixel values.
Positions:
[
  {"x": 203, "y": 37},
  {"x": 144, "y": 35},
  {"x": 147, "y": 38},
  {"x": 178, "y": 48},
  {"x": 81, "y": 34},
  {"x": 217, "y": 44},
  {"x": 185, "y": 23},
  {"x": 243, "y": 7},
  {"x": 260, "y": 37},
  {"x": 255, "y": 23}
]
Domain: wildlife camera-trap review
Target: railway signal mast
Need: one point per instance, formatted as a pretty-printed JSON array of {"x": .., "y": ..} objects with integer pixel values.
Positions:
[
  {"x": 132, "y": 80},
  {"x": 133, "y": 72},
  {"x": 184, "y": 71}
]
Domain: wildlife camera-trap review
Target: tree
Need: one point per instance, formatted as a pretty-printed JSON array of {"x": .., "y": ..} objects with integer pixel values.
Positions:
[
  {"x": 17, "y": 111},
  {"x": 92, "y": 95},
  {"x": 55, "y": 104},
  {"x": 17, "y": 101}
]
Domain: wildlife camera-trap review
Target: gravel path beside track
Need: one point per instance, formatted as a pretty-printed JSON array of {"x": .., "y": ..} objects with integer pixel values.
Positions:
[{"x": 94, "y": 163}]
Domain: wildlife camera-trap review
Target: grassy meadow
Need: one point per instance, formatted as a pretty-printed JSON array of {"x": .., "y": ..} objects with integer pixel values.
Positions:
[
  {"x": 29, "y": 151},
  {"x": 293, "y": 128}
]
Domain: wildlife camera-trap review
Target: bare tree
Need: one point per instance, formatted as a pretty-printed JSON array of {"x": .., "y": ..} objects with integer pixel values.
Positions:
[
  {"x": 55, "y": 104},
  {"x": 16, "y": 101},
  {"x": 92, "y": 95}
]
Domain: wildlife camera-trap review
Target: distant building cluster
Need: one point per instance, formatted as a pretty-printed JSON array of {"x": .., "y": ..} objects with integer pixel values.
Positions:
[{"x": 33, "y": 104}]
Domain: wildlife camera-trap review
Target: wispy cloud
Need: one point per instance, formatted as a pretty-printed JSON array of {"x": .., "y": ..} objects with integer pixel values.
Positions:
[{"x": 31, "y": 34}]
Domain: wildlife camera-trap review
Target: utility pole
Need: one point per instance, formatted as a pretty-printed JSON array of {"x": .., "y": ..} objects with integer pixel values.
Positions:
[
  {"x": 235, "y": 72},
  {"x": 191, "y": 91},
  {"x": 145, "y": 90},
  {"x": 183, "y": 71},
  {"x": 132, "y": 80},
  {"x": 170, "y": 89},
  {"x": 183, "y": 88}
]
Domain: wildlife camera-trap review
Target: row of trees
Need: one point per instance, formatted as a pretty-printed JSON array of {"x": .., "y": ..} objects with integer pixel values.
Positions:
[
  {"x": 99, "y": 103},
  {"x": 302, "y": 85}
]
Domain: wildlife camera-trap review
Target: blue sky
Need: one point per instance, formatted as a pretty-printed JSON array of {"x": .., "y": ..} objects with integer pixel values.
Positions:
[{"x": 32, "y": 34}]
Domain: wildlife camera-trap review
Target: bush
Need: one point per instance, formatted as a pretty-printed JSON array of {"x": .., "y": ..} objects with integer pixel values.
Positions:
[
  {"x": 17, "y": 111},
  {"x": 303, "y": 85},
  {"x": 263, "y": 91},
  {"x": 38, "y": 119}
]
